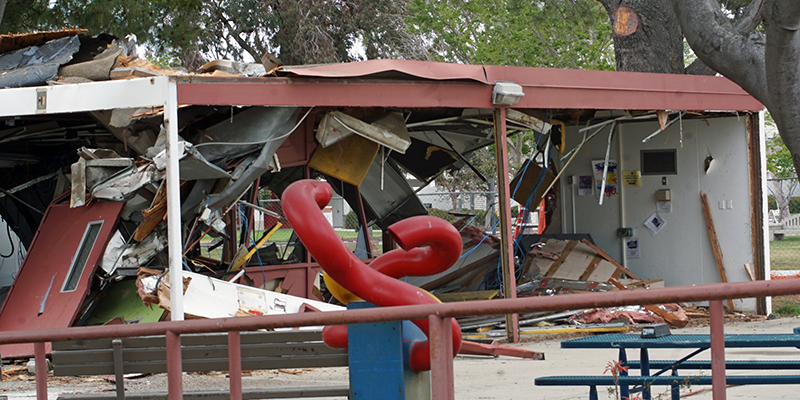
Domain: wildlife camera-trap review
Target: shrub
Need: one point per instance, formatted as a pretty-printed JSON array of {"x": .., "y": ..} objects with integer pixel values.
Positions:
[
  {"x": 351, "y": 220},
  {"x": 445, "y": 215}
]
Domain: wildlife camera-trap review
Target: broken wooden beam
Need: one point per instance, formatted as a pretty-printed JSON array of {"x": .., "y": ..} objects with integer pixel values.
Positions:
[
  {"x": 712, "y": 235},
  {"x": 608, "y": 258},
  {"x": 671, "y": 319},
  {"x": 474, "y": 348}
]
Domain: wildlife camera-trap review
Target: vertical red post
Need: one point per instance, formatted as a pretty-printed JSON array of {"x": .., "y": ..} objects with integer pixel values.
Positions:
[
  {"x": 441, "y": 342},
  {"x": 40, "y": 357},
  {"x": 174, "y": 366},
  {"x": 717, "y": 349},
  {"x": 507, "y": 252},
  {"x": 235, "y": 364}
]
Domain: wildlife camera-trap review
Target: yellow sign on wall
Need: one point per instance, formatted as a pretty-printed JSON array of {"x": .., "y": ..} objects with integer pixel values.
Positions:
[{"x": 632, "y": 178}]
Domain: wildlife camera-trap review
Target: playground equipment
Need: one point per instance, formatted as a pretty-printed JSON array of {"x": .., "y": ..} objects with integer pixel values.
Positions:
[{"x": 428, "y": 245}]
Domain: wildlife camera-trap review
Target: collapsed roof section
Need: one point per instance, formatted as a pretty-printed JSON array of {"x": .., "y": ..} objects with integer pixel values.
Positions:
[{"x": 360, "y": 125}]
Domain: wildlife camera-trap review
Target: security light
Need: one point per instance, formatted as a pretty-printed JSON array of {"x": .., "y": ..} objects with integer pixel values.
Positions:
[{"x": 506, "y": 93}]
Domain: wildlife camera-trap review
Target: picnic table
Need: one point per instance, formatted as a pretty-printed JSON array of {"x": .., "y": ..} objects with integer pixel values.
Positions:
[{"x": 698, "y": 342}]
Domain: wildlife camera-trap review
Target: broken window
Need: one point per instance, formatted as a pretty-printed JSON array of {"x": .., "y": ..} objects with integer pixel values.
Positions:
[{"x": 82, "y": 255}]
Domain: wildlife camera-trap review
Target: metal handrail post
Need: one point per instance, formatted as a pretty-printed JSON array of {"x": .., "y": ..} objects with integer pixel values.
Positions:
[
  {"x": 441, "y": 342},
  {"x": 717, "y": 329},
  {"x": 235, "y": 364},
  {"x": 174, "y": 366},
  {"x": 40, "y": 357}
]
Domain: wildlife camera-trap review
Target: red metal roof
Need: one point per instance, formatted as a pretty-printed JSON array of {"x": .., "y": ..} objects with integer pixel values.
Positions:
[{"x": 404, "y": 83}]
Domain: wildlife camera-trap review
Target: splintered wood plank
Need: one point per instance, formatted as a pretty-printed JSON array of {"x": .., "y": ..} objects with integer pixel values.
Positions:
[
  {"x": 609, "y": 259},
  {"x": 556, "y": 265},
  {"x": 576, "y": 262},
  {"x": 554, "y": 246},
  {"x": 152, "y": 216},
  {"x": 712, "y": 234},
  {"x": 602, "y": 271}
]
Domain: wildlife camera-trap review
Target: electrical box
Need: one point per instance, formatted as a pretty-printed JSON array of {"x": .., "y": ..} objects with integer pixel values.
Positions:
[
  {"x": 624, "y": 232},
  {"x": 663, "y": 195}
]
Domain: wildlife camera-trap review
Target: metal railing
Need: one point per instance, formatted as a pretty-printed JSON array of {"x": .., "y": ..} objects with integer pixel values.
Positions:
[{"x": 439, "y": 316}]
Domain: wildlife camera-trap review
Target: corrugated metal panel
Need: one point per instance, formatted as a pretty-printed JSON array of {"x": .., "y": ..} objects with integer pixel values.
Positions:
[{"x": 392, "y": 69}]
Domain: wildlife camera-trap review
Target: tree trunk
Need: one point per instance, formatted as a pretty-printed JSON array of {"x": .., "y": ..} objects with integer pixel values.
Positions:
[
  {"x": 781, "y": 200},
  {"x": 2, "y": 9},
  {"x": 647, "y": 37},
  {"x": 781, "y": 23}
]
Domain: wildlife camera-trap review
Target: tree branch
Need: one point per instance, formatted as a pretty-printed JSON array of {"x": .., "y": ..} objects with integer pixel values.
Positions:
[
  {"x": 714, "y": 40},
  {"x": 785, "y": 13},
  {"x": 235, "y": 34}
]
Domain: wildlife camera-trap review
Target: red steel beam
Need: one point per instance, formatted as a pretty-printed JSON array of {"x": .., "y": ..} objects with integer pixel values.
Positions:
[
  {"x": 544, "y": 88},
  {"x": 506, "y": 242},
  {"x": 714, "y": 291},
  {"x": 717, "y": 322},
  {"x": 334, "y": 93}
]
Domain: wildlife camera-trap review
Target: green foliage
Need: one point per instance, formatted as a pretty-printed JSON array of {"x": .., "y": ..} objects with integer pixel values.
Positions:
[
  {"x": 779, "y": 159},
  {"x": 445, "y": 215},
  {"x": 554, "y": 33},
  {"x": 298, "y": 32},
  {"x": 351, "y": 220}
]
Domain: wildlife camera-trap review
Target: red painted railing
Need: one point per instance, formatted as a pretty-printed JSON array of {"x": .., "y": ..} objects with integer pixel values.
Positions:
[{"x": 438, "y": 316}]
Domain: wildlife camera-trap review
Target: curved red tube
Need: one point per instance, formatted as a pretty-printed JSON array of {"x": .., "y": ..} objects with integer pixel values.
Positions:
[{"x": 428, "y": 245}]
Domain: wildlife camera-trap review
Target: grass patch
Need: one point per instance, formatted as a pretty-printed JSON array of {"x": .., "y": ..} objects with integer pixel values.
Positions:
[
  {"x": 785, "y": 254},
  {"x": 786, "y": 306}
]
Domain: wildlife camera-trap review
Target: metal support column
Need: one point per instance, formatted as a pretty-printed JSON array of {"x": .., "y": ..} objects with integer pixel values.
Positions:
[
  {"x": 507, "y": 248},
  {"x": 717, "y": 349},
  {"x": 173, "y": 202},
  {"x": 441, "y": 342},
  {"x": 235, "y": 364}
]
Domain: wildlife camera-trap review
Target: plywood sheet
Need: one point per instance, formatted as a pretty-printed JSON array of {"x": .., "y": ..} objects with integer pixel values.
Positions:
[{"x": 576, "y": 261}]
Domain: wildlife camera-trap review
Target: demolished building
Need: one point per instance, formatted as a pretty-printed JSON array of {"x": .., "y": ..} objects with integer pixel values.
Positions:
[{"x": 111, "y": 165}]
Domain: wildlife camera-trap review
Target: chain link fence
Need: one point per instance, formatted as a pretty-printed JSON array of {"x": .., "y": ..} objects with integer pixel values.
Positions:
[{"x": 477, "y": 209}]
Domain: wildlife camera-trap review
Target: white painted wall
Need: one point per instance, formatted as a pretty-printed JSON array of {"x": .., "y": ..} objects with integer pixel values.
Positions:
[{"x": 681, "y": 252}]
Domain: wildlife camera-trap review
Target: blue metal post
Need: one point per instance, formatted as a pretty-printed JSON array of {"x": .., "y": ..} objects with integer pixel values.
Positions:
[{"x": 378, "y": 367}]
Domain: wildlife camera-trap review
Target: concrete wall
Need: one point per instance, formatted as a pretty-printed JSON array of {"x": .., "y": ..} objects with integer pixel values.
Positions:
[{"x": 681, "y": 253}]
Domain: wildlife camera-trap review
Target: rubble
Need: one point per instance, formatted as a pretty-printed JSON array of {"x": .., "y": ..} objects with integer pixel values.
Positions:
[{"x": 110, "y": 169}]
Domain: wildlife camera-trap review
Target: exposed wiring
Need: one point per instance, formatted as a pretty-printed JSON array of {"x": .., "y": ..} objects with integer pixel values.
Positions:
[
  {"x": 259, "y": 142},
  {"x": 252, "y": 239},
  {"x": 10, "y": 241}
]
